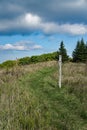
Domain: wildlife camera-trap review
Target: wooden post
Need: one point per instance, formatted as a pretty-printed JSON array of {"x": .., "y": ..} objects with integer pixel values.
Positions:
[{"x": 60, "y": 70}]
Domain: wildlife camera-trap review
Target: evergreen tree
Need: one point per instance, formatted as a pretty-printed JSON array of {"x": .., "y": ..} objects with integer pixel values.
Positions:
[
  {"x": 76, "y": 52},
  {"x": 63, "y": 52},
  {"x": 83, "y": 51},
  {"x": 80, "y": 52}
]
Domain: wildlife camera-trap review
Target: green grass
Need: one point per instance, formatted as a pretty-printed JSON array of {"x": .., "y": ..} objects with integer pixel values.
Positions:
[
  {"x": 35, "y": 102},
  {"x": 64, "y": 106}
]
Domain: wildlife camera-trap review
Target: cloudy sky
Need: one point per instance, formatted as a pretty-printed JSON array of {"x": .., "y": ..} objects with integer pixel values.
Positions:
[{"x": 33, "y": 27}]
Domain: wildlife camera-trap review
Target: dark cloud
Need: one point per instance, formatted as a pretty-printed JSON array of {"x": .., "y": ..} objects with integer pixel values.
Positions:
[{"x": 57, "y": 11}]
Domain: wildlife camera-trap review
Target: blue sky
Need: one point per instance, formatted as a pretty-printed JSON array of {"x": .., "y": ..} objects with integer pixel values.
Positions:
[{"x": 33, "y": 27}]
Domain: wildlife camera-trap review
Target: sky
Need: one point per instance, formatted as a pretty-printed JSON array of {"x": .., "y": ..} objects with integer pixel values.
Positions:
[{"x": 34, "y": 27}]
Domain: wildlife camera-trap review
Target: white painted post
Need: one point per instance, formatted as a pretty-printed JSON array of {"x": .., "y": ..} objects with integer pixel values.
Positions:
[{"x": 60, "y": 70}]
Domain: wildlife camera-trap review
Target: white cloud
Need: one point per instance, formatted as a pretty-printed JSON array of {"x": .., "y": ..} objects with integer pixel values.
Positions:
[
  {"x": 30, "y": 23},
  {"x": 37, "y": 47},
  {"x": 26, "y": 42},
  {"x": 35, "y": 21},
  {"x": 12, "y": 47},
  {"x": 74, "y": 29},
  {"x": 32, "y": 19},
  {"x": 21, "y": 45}
]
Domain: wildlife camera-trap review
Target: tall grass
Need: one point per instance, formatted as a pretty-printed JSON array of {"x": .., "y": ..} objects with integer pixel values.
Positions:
[
  {"x": 75, "y": 78},
  {"x": 19, "y": 107},
  {"x": 31, "y": 100}
]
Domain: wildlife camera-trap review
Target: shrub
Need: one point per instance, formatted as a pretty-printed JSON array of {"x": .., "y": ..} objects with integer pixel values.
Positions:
[
  {"x": 24, "y": 61},
  {"x": 8, "y": 64}
]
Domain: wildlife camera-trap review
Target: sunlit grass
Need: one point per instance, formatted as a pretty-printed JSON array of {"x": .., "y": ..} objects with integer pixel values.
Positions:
[{"x": 31, "y": 100}]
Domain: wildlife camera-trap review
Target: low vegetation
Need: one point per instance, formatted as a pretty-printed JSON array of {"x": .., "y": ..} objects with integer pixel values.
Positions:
[
  {"x": 31, "y": 100},
  {"x": 30, "y": 60},
  {"x": 39, "y": 58},
  {"x": 78, "y": 55}
]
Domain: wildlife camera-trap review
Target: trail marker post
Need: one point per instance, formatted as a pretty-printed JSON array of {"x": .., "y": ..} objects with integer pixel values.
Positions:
[{"x": 60, "y": 70}]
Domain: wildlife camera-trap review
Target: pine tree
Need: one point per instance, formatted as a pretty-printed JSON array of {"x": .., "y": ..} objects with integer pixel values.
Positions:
[
  {"x": 76, "y": 52},
  {"x": 83, "y": 51},
  {"x": 80, "y": 52},
  {"x": 63, "y": 52}
]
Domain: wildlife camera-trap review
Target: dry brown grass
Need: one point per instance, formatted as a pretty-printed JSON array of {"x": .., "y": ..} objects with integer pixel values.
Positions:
[{"x": 74, "y": 74}]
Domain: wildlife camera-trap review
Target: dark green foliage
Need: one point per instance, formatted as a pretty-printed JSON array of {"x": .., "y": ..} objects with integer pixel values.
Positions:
[
  {"x": 76, "y": 52},
  {"x": 83, "y": 114},
  {"x": 63, "y": 52},
  {"x": 50, "y": 56},
  {"x": 80, "y": 52},
  {"x": 40, "y": 58},
  {"x": 24, "y": 61},
  {"x": 32, "y": 59},
  {"x": 35, "y": 59},
  {"x": 8, "y": 64}
]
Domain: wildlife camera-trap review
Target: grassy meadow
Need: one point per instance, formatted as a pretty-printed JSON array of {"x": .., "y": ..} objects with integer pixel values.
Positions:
[{"x": 30, "y": 98}]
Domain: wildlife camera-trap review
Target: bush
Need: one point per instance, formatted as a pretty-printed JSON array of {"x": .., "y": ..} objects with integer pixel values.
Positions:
[
  {"x": 32, "y": 59},
  {"x": 24, "y": 61},
  {"x": 35, "y": 59},
  {"x": 8, "y": 64},
  {"x": 45, "y": 57}
]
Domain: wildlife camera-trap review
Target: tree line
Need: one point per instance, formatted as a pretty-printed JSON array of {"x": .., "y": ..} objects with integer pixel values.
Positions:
[
  {"x": 78, "y": 55},
  {"x": 80, "y": 52}
]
